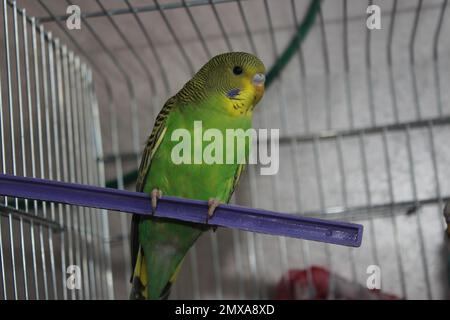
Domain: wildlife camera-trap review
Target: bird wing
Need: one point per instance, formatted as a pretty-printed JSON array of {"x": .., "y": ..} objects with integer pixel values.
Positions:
[
  {"x": 152, "y": 144},
  {"x": 237, "y": 177}
]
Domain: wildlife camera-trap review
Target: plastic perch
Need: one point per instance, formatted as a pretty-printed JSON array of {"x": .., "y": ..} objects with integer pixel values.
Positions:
[{"x": 231, "y": 216}]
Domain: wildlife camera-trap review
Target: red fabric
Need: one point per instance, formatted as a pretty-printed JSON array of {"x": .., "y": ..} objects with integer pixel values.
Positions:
[{"x": 294, "y": 286}]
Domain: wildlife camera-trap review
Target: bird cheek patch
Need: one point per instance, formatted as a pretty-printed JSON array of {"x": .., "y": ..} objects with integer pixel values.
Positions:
[{"x": 233, "y": 93}]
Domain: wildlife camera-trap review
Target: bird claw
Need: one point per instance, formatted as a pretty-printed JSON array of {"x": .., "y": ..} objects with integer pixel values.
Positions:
[
  {"x": 447, "y": 216},
  {"x": 155, "y": 195},
  {"x": 212, "y": 205}
]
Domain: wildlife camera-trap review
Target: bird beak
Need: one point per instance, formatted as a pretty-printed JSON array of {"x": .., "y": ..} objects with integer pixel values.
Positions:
[{"x": 258, "y": 82}]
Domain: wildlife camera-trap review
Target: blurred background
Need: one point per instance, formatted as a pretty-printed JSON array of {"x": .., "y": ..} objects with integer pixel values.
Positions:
[{"x": 364, "y": 119}]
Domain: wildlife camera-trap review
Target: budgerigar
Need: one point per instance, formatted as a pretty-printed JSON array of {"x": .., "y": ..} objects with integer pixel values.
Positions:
[{"x": 222, "y": 95}]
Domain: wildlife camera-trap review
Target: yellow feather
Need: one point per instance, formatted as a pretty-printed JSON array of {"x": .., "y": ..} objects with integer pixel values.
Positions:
[{"x": 140, "y": 272}]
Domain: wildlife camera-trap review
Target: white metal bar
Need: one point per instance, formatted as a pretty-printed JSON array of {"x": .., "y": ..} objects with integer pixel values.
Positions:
[
  {"x": 393, "y": 95},
  {"x": 107, "y": 271},
  {"x": 306, "y": 251},
  {"x": 436, "y": 39},
  {"x": 13, "y": 259},
  {"x": 316, "y": 148},
  {"x": 22, "y": 143},
  {"x": 12, "y": 139},
  {"x": 3, "y": 162},
  {"x": 89, "y": 217},
  {"x": 285, "y": 123},
  {"x": 32, "y": 149},
  {"x": 436, "y": 69},
  {"x": 76, "y": 154},
  {"x": 54, "y": 96},
  {"x": 2, "y": 262},
  {"x": 102, "y": 225},
  {"x": 422, "y": 246},
  {"x": 45, "y": 64},
  {"x": 72, "y": 218},
  {"x": 351, "y": 119},
  {"x": 83, "y": 164},
  {"x": 64, "y": 143}
]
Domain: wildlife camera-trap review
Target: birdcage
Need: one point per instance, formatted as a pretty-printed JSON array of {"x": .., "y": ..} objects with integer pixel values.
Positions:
[{"x": 364, "y": 118}]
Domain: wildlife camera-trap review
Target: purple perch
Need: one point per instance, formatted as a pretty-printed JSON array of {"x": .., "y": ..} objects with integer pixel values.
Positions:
[{"x": 231, "y": 216}]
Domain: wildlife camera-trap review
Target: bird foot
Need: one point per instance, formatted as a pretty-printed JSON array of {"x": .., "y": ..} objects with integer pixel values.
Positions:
[
  {"x": 447, "y": 217},
  {"x": 212, "y": 205},
  {"x": 156, "y": 194}
]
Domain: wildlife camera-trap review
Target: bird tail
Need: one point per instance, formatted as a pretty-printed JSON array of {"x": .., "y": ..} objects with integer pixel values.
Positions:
[{"x": 140, "y": 280}]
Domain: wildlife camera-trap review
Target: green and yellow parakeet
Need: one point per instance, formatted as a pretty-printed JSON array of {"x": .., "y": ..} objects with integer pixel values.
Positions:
[{"x": 222, "y": 95}]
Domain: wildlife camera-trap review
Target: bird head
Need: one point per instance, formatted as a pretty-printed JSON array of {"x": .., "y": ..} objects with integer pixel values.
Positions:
[{"x": 237, "y": 78}]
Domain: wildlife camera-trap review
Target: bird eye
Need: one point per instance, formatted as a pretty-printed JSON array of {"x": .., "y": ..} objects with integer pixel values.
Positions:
[{"x": 237, "y": 70}]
